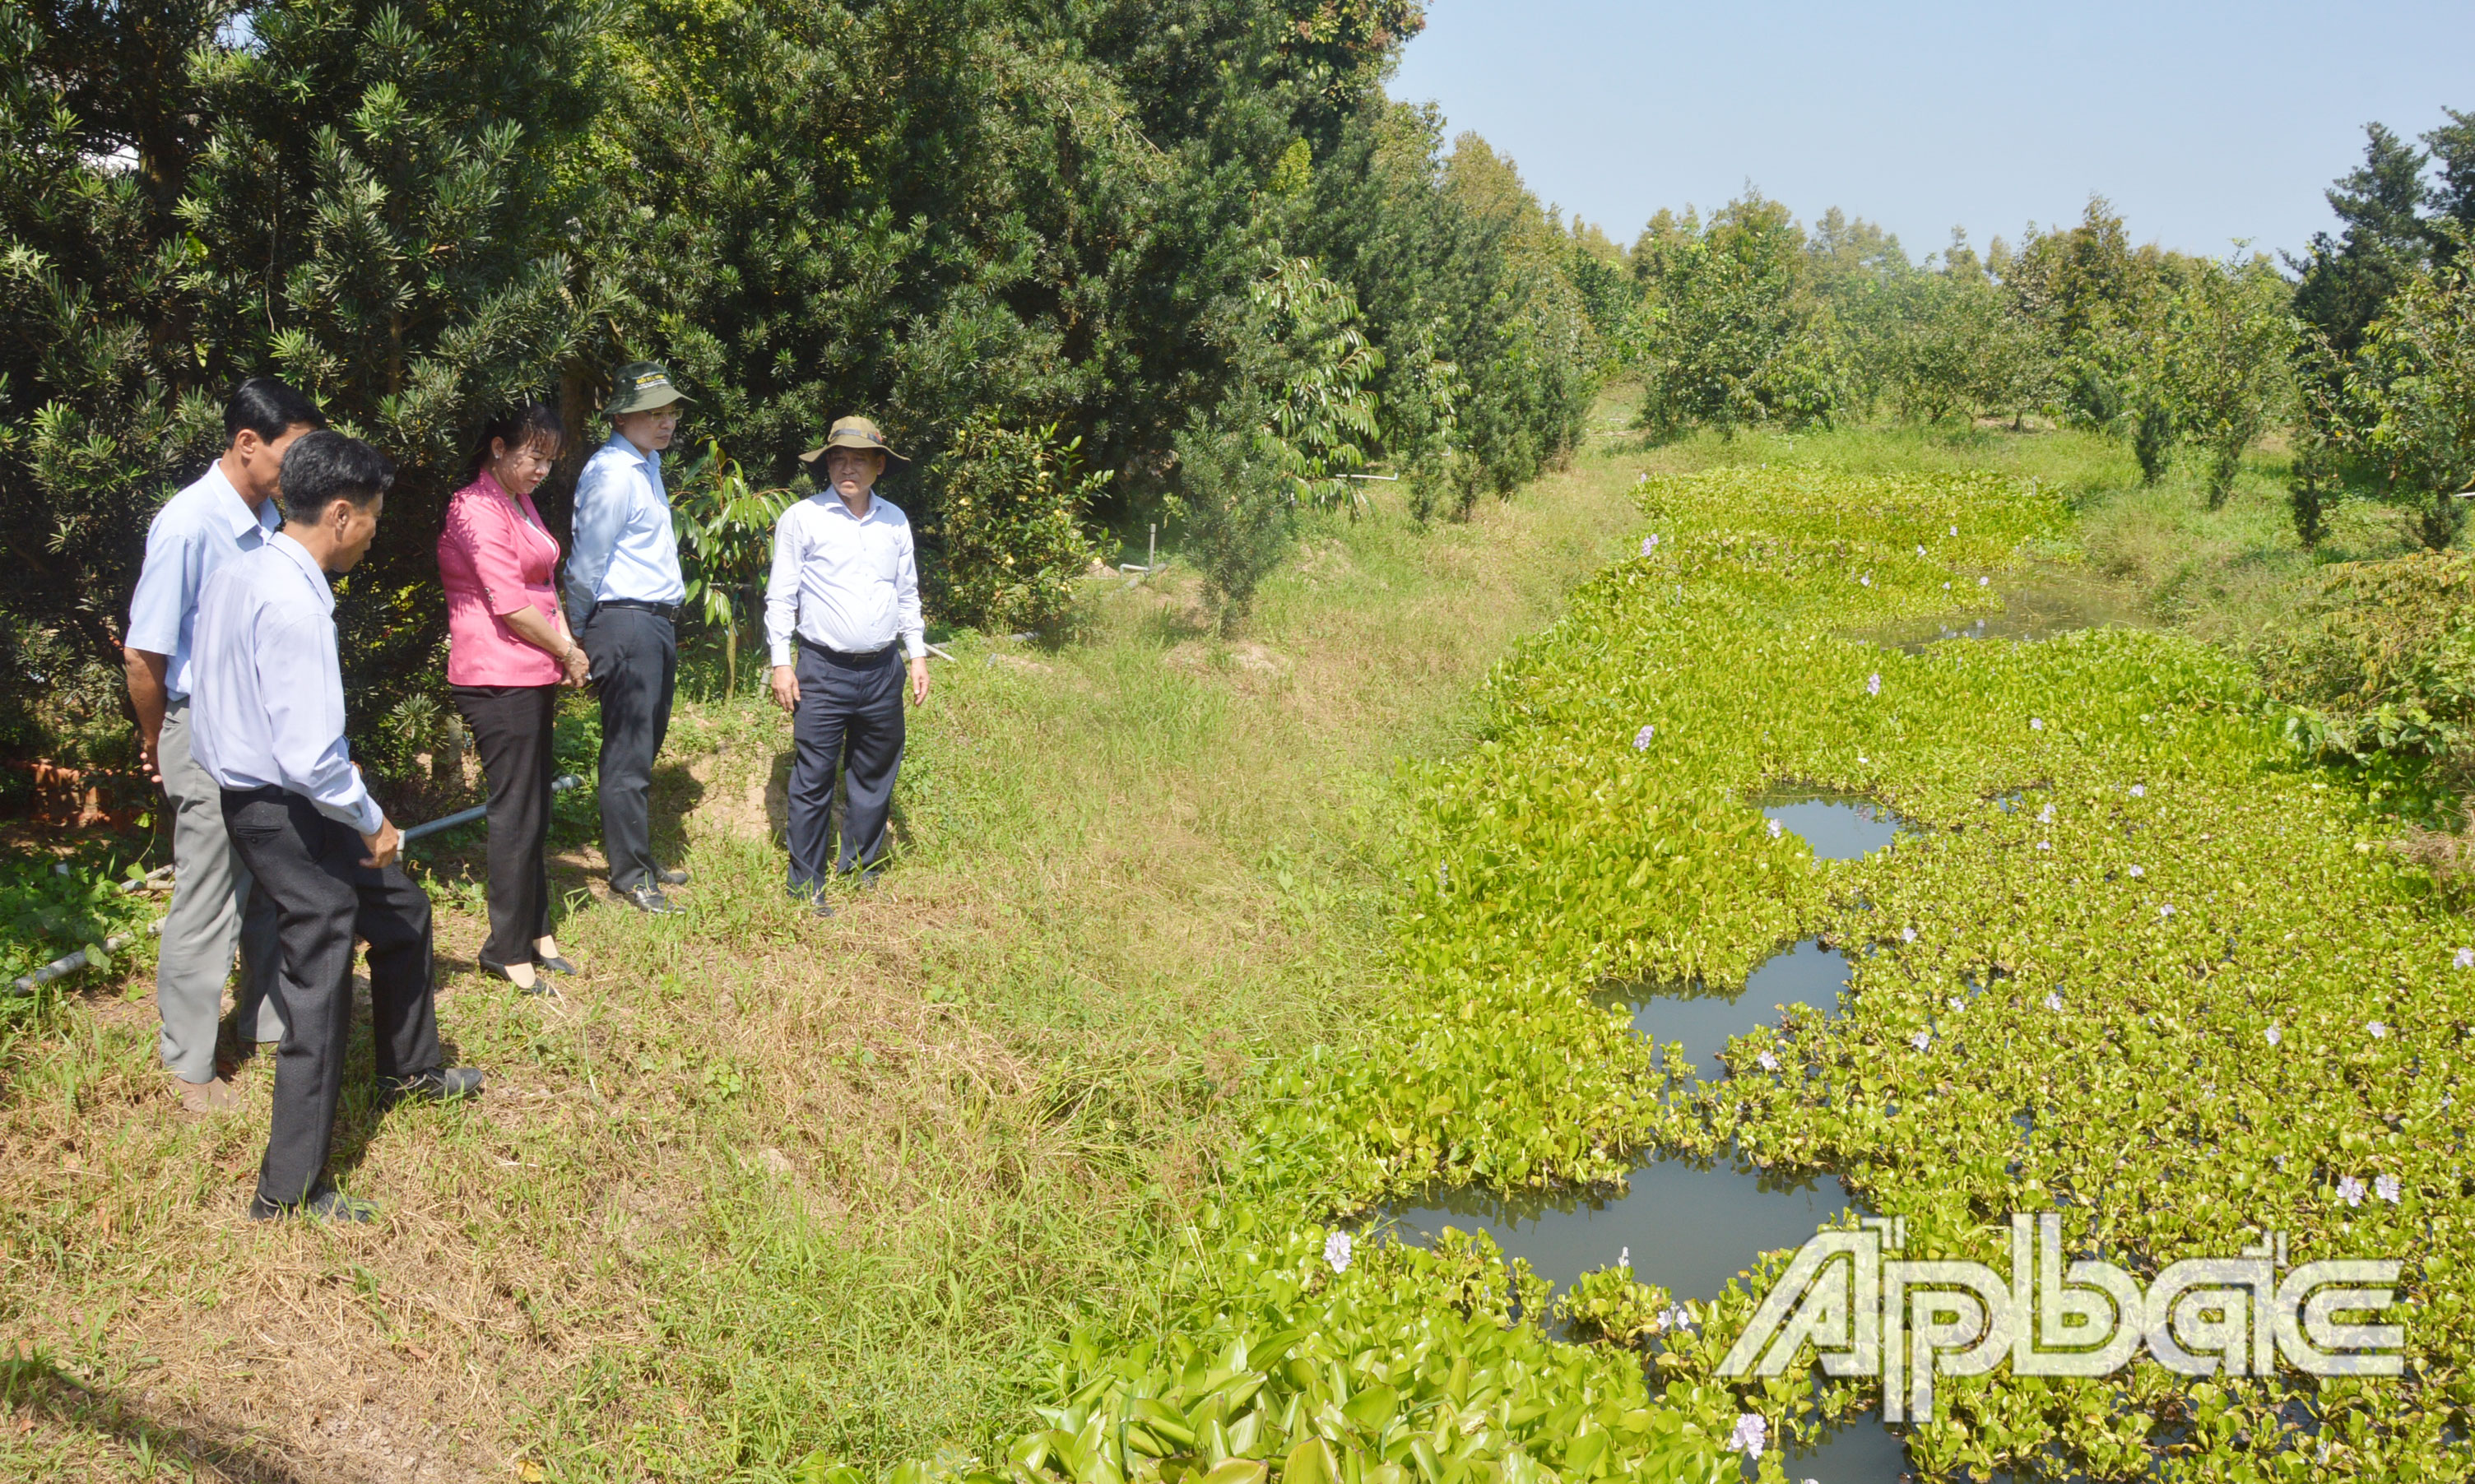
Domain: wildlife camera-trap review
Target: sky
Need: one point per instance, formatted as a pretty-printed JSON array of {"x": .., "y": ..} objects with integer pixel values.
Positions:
[{"x": 2204, "y": 124}]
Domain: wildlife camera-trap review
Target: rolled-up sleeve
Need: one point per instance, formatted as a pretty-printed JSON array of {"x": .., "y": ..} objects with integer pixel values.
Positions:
[
  {"x": 305, "y": 718},
  {"x": 167, "y": 589},
  {"x": 602, "y": 499},
  {"x": 906, "y": 598},
  {"x": 782, "y": 588}
]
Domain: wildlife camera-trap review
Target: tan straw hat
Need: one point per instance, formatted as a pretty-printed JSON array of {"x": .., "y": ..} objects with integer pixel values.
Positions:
[{"x": 855, "y": 433}]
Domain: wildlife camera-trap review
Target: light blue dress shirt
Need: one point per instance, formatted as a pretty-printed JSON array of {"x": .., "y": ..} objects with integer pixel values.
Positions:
[
  {"x": 197, "y": 531},
  {"x": 269, "y": 706},
  {"x": 624, "y": 546},
  {"x": 843, "y": 581}
]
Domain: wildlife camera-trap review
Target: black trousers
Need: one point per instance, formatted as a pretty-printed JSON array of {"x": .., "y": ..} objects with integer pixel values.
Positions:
[
  {"x": 849, "y": 716},
  {"x": 511, "y": 728},
  {"x": 324, "y": 897},
  {"x": 635, "y": 659}
]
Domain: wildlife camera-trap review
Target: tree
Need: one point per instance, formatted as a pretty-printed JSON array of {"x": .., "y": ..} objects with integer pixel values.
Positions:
[
  {"x": 2346, "y": 280},
  {"x": 1734, "y": 335},
  {"x": 2228, "y": 354},
  {"x": 2414, "y": 389}
]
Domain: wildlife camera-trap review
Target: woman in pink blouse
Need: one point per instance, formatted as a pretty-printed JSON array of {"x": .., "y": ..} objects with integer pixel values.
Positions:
[{"x": 508, "y": 651}]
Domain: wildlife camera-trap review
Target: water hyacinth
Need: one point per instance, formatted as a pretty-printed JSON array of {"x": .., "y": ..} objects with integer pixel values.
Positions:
[
  {"x": 1767, "y": 1062},
  {"x": 2137, "y": 873},
  {"x": 2387, "y": 1188},
  {"x": 2378, "y": 1030},
  {"x": 1874, "y": 683},
  {"x": 1776, "y": 830},
  {"x": 1907, "y": 934},
  {"x": 1641, "y": 738},
  {"x": 1865, "y": 581},
  {"x": 2053, "y": 1002},
  {"x": 2046, "y": 815},
  {"x": 1922, "y": 1039},
  {"x": 1335, "y": 1250},
  {"x": 1624, "y": 1259},
  {"x": 2036, "y": 723},
  {"x": 1921, "y": 550},
  {"x": 2140, "y": 791},
  {"x": 2045, "y": 845},
  {"x": 2465, "y": 959},
  {"x": 1649, "y": 544},
  {"x": 1985, "y": 583},
  {"x": 2350, "y": 1190},
  {"x": 2272, "y": 1035},
  {"x": 2167, "y": 910},
  {"x": 1954, "y": 530},
  {"x": 1750, "y": 1437}
]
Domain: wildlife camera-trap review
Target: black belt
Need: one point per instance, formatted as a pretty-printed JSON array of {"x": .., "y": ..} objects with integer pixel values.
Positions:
[
  {"x": 844, "y": 657},
  {"x": 657, "y": 610}
]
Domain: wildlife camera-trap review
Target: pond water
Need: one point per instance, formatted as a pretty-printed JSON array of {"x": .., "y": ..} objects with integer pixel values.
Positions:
[
  {"x": 1838, "y": 826},
  {"x": 2029, "y": 614},
  {"x": 1807, "y": 974}
]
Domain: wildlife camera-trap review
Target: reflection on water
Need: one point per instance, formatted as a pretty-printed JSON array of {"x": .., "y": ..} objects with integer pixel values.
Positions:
[
  {"x": 2028, "y": 614},
  {"x": 1838, "y": 826},
  {"x": 1807, "y": 974}
]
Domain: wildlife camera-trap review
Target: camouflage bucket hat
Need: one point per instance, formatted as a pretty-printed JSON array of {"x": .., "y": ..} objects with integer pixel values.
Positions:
[
  {"x": 640, "y": 386},
  {"x": 856, "y": 434}
]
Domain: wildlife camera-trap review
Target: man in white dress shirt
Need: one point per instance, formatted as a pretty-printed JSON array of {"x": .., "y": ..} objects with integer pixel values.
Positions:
[
  {"x": 268, "y": 699},
  {"x": 846, "y": 587},
  {"x": 231, "y": 509},
  {"x": 624, "y": 591}
]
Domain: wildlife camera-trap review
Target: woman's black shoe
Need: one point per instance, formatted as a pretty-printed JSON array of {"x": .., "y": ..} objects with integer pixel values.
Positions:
[{"x": 535, "y": 987}]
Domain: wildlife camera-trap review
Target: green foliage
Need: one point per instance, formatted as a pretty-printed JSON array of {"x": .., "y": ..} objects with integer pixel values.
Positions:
[
  {"x": 1234, "y": 513},
  {"x": 1607, "y": 1303},
  {"x": 725, "y": 526},
  {"x": 1321, "y": 416},
  {"x": 1012, "y": 525},
  {"x": 1733, "y": 334},
  {"x": 2384, "y": 663},
  {"x": 54, "y": 906},
  {"x": 2227, "y": 362},
  {"x": 2415, "y": 390}
]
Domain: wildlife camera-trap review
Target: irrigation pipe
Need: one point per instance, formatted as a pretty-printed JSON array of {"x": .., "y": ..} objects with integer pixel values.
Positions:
[{"x": 63, "y": 967}]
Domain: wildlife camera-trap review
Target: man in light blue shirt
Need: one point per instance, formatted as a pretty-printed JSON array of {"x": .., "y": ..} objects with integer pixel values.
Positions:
[
  {"x": 845, "y": 586},
  {"x": 229, "y": 511},
  {"x": 269, "y": 729},
  {"x": 624, "y": 587}
]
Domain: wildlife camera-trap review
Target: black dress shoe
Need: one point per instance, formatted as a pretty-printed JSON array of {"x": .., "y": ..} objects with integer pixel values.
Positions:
[
  {"x": 441, "y": 1084},
  {"x": 671, "y": 875},
  {"x": 325, "y": 1204},
  {"x": 649, "y": 899},
  {"x": 813, "y": 901},
  {"x": 501, "y": 971},
  {"x": 555, "y": 966}
]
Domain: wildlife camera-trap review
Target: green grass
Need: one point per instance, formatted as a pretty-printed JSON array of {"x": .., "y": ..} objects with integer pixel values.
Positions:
[{"x": 761, "y": 1184}]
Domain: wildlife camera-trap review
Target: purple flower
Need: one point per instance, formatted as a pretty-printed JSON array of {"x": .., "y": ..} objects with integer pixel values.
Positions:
[
  {"x": 1750, "y": 1437},
  {"x": 2137, "y": 873},
  {"x": 1874, "y": 684},
  {"x": 2377, "y": 1029},
  {"x": 1767, "y": 1062},
  {"x": 2167, "y": 910},
  {"x": 1954, "y": 530},
  {"x": 1865, "y": 581},
  {"x": 1985, "y": 583},
  {"x": 1922, "y": 1039},
  {"x": 1921, "y": 550},
  {"x": 2053, "y": 1002},
  {"x": 1641, "y": 738},
  {"x": 2272, "y": 1035},
  {"x": 1335, "y": 1250},
  {"x": 2045, "y": 845},
  {"x": 2387, "y": 1187},
  {"x": 2046, "y": 815},
  {"x": 2465, "y": 959},
  {"x": 1775, "y": 831},
  {"x": 2036, "y": 723},
  {"x": 1649, "y": 544},
  {"x": 2350, "y": 1190},
  {"x": 1907, "y": 934},
  {"x": 2140, "y": 791}
]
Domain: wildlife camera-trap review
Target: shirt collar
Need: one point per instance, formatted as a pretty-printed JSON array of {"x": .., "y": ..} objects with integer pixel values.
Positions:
[
  {"x": 236, "y": 511},
  {"x": 834, "y": 503},
  {"x": 628, "y": 450},
  {"x": 281, "y": 541}
]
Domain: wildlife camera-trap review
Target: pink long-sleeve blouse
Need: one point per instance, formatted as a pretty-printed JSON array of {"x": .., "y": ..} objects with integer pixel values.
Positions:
[{"x": 495, "y": 559}]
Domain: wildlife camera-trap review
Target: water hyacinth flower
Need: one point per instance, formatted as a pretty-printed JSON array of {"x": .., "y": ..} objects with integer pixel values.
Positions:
[
  {"x": 2350, "y": 1190},
  {"x": 1641, "y": 738},
  {"x": 1874, "y": 683},
  {"x": 2167, "y": 910},
  {"x": 1907, "y": 934},
  {"x": 2137, "y": 873},
  {"x": 1946, "y": 587},
  {"x": 1921, "y": 550},
  {"x": 1767, "y": 1062},
  {"x": 1775, "y": 829},
  {"x": 1649, "y": 544},
  {"x": 1335, "y": 1250},
  {"x": 2045, "y": 845},
  {"x": 2036, "y": 723},
  {"x": 2046, "y": 815},
  {"x": 2387, "y": 1187},
  {"x": 2272, "y": 1035},
  {"x": 1985, "y": 583},
  {"x": 1922, "y": 1039},
  {"x": 1954, "y": 530},
  {"x": 1957, "y": 1004},
  {"x": 2054, "y": 1001},
  {"x": 2377, "y": 1029},
  {"x": 1624, "y": 1259},
  {"x": 2465, "y": 959},
  {"x": 1752, "y": 1435},
  {"x": 2140, "y": 791},
  {"x": 1865, "y": 581}
]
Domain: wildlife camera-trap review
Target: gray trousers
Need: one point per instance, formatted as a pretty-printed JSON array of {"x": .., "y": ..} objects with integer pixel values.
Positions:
[{"x": 215, "y": 905}]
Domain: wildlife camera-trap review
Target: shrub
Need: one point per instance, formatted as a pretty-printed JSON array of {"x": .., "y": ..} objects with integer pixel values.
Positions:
[{"x": 1010, "y": 525}]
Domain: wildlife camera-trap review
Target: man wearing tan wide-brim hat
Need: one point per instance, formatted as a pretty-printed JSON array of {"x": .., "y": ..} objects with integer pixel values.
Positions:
[{"x": 845, "y": 587}]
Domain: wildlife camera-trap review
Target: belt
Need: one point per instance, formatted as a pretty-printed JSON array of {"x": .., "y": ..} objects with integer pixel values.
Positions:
[
  {"x": 658, "y": 610},
  {"x": 843, "y": 656}
]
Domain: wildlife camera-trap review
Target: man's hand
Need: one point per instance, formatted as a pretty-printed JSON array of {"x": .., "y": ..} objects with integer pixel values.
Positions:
[
  {"x": 383, "y": 845},
  {"x": 147, "y": 699},
  {"x": 786, "y": 688},
  {"x": 918, "y": 679}
]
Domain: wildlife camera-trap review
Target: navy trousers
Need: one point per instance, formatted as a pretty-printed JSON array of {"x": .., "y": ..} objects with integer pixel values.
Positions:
[
  {"x": 849, "y": 717},
  {"x": 635, "y": 659}
]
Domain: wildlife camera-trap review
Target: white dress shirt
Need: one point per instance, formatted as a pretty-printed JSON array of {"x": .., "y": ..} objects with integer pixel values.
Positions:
[
  {"x": 197, "y": 531},
  {"x": 843, "y": 581},
  {"x": 268, "y": 709},
  {"x": 622, "y": 546}
]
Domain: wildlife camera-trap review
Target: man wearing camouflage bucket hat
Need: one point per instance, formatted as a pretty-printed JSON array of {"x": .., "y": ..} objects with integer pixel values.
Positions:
[
  {"x": 624, "y": 587},
  {"x": 845, "y": 586}
]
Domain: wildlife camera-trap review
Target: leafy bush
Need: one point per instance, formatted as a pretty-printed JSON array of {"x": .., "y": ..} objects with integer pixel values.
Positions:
[
  {"x": 1010, "y": 526},
  {"x": 2383, "y": 664},
  {"x": 1233, "y": 515},
  {"x": 51, "y": 907}
]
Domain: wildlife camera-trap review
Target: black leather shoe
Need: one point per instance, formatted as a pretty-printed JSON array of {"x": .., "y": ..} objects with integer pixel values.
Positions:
[
  {"x": 555, "y": 966},
  {"x": 671, "y": 875},
  {"x": 325, "y": 1204},
  {"x": 649, "y": 899},
  {"x": 501, "y": 971},
  {"x": 443, "y": 1084}
]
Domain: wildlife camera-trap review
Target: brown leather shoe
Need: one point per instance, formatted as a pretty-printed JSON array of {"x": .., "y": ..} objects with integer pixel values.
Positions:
[{"x": 210, "y": 1098}]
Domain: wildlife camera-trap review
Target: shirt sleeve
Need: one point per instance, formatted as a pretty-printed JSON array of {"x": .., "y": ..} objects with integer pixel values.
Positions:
[
  {"x": 167, "y": 588},
  {"x": 782, "y": 588},
  {"x": 304, "y": 717},
  {"x": 489, "y": 539},
  {"x": 906, "y": 598},
  {"x": 600, "y": 517}
]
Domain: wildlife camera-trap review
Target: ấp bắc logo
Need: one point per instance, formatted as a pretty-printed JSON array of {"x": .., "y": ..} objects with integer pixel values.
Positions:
[{"x": 1908, "y": 1321}]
